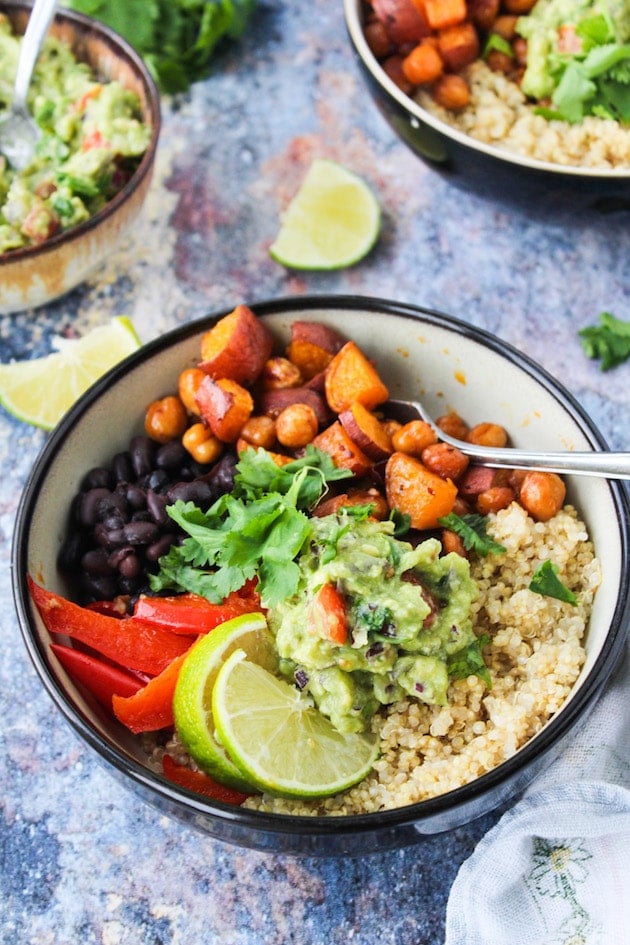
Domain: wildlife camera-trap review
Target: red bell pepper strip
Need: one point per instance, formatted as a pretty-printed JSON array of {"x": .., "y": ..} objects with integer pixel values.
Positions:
[
  {"x": 151, "y": 707},
  {"x": 327, "y": 616},
  {"x": 191, "y": 613},
  {"x": 200, "y": 783},
  {"x": 131, "y": 643},
  {"x": 101, "y": 679}
]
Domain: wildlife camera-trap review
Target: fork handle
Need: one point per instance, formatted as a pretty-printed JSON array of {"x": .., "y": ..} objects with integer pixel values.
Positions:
[{"x": 38, "y": 24}]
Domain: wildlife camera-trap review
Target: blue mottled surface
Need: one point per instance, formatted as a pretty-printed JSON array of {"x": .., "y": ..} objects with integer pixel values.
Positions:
[{"x": 81, "y": 859}]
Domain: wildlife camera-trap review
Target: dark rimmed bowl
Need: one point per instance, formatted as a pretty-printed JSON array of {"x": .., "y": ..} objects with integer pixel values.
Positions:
[
  {"x": 473, "y": 165},
  {"x": 36, "y": 275},
  {"x": 422, "y": 352}
]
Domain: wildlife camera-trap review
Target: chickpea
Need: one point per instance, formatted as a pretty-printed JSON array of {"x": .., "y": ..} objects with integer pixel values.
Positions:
[
  {"x": 188, "y": 385},
  {"x": 413, "y": 437},
  {"x": 296, "y": 425},
  {"x": 202, "y": 445},
  {"x": 445, "y": 460},
  {"x": 260, "y": 431},
  {"x": 542, "y": 495},
  {"x": 494, "y": 499},
  {"x": 391, "y": 426},
  {"x": 499, "y": 61},
  {"x": 452, "y": 542},
  {"x": 165, "y": 419},
  {"x": 505, "y": 27},
  {"x": 487, "y": 434},
  {"x": 453, "y": 425},
  {"x": 280, "y": 373},
  {"x": 452, "y": 92}
]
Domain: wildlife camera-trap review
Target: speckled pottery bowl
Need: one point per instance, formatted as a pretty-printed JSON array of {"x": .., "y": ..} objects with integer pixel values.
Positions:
[
  {"x": 418, "y": 352},
  {"x": 474, "y": 165},
  {"x": 35, "y": 275}
]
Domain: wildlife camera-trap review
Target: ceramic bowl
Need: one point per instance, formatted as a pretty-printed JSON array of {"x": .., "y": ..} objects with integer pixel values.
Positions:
[
  {"x": 36, "y": 275},
  {"x": 418, "y": 352},
  {"x": 473, "y": 165}
]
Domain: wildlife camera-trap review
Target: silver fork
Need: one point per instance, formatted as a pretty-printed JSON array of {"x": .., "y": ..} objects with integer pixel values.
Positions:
[
  {"x": 607, "y": 464},
  {"x": 19, "y": 132}
]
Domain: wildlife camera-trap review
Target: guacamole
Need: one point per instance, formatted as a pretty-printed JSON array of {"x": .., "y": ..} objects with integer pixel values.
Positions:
[
  {"x": 93, "y": 138},
  {"x": 407, "y": 612},
  {"x": 547, "y": 28}
]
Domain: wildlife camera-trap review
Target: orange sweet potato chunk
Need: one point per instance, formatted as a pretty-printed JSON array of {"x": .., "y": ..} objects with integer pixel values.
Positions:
[
  {"x": 416, "y": 491},
  {"x": 351, "y": 378},
  {"x": 344, "y": 453},
  {"x": 225, "y": 406},
  {"x": 237, "y": 347}
]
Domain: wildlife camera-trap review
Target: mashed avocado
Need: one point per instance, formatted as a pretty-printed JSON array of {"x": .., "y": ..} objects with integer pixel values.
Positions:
[
  {"x": 407, "y": 613},
  {"x": 546, "y": 29},
  {"x": 93, "y": 138}
]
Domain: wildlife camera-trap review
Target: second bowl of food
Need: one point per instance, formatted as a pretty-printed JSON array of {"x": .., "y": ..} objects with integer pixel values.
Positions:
[
  {"x": 293, "y": 617},
  {"x": 515, "y": 99},
  {"x": 98, "y": 112}
]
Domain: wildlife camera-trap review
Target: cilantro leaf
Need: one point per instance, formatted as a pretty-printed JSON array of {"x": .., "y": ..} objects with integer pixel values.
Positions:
[
  {"x": 176, "y": 38},
  {"x": 608, "y": 341},
  {"x": 471, "y": 528},
  {"x": 257, "y": 472},
  {"x": 545, "y": 581},
  {"x": 470, "y": 662}
]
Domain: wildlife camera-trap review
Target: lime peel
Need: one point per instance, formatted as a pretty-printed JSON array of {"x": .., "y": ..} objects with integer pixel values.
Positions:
[
  {"x": 42, "y": 390},
  {"x": 333, "y": 221},
  {"x": 282, "y": 744}
]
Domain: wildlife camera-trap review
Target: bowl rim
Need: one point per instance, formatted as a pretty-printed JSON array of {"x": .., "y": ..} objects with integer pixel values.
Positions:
[
  {"x": 420, "y": 115},
  {"x": 321, "y": 825},
  {"x": 119, "y": 45}
]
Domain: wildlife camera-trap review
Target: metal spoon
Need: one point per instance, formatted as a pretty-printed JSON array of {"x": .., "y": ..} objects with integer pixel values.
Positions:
[
  {"x": 609, "y": 465},
  {"x": 19, "y": 132}
]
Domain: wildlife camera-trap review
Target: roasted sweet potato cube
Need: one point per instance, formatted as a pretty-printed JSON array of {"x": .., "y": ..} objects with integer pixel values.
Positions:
[
  {"x": 458, "y": 46},
  {"x": 273, "y": 402},
  {"x": 352, "y": 378},
  {"x": 225, "y": 406},
  {"x": 416, "y": 491},
  {"x": 483, "y": 13},
  {"x": 443, "y": 13},
  {"x": 344, "y": 453},
  {"x": 312, "y": 346},
  {"x": 404, "y": 20},
  {"x": 367, "y": 431},
  {"x": 236, "y": 347}
]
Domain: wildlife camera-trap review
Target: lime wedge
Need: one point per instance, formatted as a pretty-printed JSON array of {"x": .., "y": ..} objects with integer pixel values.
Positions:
[
  {"x": 192, "y": 703},
  {"x": 333, "y": 221},
  {"x": 40, "y": 391},
  {"x": 281, "y": 743}
]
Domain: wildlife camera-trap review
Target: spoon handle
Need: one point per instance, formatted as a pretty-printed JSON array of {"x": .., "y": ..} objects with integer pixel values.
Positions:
[
  {"x": 38, "y": 24},
  {"x": 597, "y": 463}
]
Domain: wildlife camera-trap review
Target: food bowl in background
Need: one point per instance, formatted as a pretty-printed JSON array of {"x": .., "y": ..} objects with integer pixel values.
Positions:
[
  {"x": 418, "y": 352},
  {"x": 485, "y": 169},
  {"x": 34, "y": 275}
]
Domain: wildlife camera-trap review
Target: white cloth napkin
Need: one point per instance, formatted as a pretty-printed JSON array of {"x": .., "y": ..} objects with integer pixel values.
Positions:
[{"x": 555, "y": 870}]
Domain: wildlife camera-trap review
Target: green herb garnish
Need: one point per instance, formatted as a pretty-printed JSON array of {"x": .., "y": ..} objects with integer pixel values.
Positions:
[
  {"x": 470, "y": 662},
  {"x": 499, "y": 44},
  {"x": 608, "y": 341},
  {"x": 176, "y": 38},
  {"x": 471, "y": 528},
  {"x": 256, "y": 531},
  {"x": 545, "y": 581}
]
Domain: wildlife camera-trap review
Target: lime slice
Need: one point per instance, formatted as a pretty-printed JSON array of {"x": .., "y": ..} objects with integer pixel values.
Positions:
[
  {"x": 282, "y": 744},
  {"x": 192, "y": 703},
  {"x": 40, "y": 391},
  {"x": 333, "y": 221}
]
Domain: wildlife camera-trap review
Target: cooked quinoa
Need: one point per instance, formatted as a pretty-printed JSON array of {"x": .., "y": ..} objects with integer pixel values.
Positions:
[
  {"x": 534, "y": 658},
  {"x": 500, "y": 115}
]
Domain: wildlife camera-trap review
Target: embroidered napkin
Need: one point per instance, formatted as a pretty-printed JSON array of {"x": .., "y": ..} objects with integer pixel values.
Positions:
[{"x": 555, "y": 870}]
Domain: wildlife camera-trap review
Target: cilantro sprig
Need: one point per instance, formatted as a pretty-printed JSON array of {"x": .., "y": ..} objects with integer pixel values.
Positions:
[
  {"x": 545, "y": 581},
  {"x": 256, "y": 531},
  {"x": 176, "y": 38},
  {"x": 608, "y": 341},
  {"x": 471, "y": 528}
]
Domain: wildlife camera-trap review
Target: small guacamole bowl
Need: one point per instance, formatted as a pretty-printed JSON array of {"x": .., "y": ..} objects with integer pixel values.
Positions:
[
  {"x": 33, "y": 275},
  {"x": 418, "y": 353}
]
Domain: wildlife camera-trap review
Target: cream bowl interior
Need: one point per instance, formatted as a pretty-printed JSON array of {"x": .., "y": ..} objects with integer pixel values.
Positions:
[{"x": 419, "y": 353}]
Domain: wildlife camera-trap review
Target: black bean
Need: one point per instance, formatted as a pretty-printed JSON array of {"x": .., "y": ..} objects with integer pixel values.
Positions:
[
  {"x": 156, "y": 504},
  {"x": 142, "y": 451},
  {"x": 109, "y": 538},
  {"x": 130, "y": 566},
  {"x": 99, "y": 587},
  {"x": 96, "y": 478},
  {"x": 140, "y": 533},
  {"x": 96, "y": 562},
  {"x": 69, "y": 557},
  {"x": 196, "y": 491},
  {"x": 135, "y": 496},
  {"x": 171, "y": 455},
  {"x": 159, "y": 547},
  {"x": 90, "y": 510},
  {"x": 221, "y": 477},
  {"x": 122, "y": 467}
]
